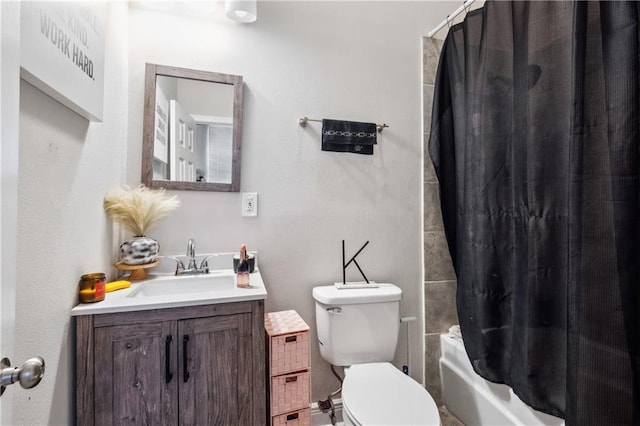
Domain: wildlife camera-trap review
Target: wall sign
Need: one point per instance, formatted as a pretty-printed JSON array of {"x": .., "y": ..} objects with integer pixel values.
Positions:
[{"x": 62, "y": 52}]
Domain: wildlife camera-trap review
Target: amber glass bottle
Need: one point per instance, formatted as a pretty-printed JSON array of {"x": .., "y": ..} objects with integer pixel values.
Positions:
[{"x": 92, "y": 287}]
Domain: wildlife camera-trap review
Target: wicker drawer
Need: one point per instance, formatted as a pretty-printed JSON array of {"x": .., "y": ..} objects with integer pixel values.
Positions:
[
  {"x": 295, "y": 418},
  {"x": 289, "y": 392},
  {"x": 289, "y": 353}
]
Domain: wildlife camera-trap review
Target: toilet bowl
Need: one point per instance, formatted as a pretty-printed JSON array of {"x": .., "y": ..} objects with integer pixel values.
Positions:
[
  {"x": 358, "y": 329},
  {"x": 380, "y": 394}
]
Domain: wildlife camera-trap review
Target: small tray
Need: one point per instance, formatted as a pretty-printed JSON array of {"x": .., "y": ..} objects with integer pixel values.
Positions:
[{"x": 137, "y": 271}]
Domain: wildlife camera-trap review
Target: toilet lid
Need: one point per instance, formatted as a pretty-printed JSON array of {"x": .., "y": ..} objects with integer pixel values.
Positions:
[{"x": 380, "y": 394}]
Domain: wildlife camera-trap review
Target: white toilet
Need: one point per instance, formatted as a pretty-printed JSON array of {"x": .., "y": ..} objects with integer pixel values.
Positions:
[{"x": 358, "y": 329}]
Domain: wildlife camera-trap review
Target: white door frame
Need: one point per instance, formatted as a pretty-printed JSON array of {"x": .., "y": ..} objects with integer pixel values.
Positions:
[{"x": 9, "y": 135}]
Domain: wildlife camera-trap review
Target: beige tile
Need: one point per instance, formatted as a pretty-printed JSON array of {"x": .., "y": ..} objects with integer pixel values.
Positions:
[
  {"x": 432, "y": 367},
  {"x": 440, "y": 306},
  {"x": 431, "y": 55},
  {"x": 427, "y": 91},
  {"x": 432, "y": 211},
  {"x": 437, "y": 261}
]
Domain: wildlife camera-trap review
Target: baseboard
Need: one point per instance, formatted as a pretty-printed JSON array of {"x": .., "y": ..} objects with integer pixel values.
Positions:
[{"x": 318, "y": 418}]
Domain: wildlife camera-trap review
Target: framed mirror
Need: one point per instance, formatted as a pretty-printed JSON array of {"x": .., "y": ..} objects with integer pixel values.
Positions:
[{"x": 192, "y": 129}]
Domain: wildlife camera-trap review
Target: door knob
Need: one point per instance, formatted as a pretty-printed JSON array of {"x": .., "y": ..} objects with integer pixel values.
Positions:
[{"x": 29, "y": 375}]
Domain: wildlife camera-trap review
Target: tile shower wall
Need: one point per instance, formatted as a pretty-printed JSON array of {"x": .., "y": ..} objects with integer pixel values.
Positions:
[{"x": 440, "y": 278}]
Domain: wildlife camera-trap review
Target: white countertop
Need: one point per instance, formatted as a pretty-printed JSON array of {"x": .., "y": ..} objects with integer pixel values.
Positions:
[{"x": 134, "y": 298}]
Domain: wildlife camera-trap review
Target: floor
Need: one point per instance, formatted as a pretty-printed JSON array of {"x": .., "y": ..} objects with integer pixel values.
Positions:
[{"x": 448, "y": 419}]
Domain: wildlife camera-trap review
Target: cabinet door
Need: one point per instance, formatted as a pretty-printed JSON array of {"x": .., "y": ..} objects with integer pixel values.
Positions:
[
  {"x": 215, "y": 370},
  {"x": 136, "y": 374}
]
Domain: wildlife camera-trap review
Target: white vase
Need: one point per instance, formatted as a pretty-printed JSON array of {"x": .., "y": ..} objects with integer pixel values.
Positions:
[{"x": 139, "y": 251}]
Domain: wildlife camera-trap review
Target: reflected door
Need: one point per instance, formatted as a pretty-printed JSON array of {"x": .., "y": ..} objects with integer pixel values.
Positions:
[{"x": 181, "y": 144}]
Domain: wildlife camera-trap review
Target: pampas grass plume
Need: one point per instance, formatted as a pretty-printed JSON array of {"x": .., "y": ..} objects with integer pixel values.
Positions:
[{"x": 138, "y": 209}]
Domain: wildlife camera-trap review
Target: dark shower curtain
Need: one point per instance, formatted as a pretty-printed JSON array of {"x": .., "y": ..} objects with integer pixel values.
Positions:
[{"x": 535, "y": 142}]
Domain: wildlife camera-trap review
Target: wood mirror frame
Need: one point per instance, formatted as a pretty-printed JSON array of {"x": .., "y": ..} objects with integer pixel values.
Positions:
[{"x": 151, "y": 76}]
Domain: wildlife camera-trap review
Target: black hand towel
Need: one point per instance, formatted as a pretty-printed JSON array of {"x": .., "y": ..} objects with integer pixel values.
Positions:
[{"x": 348, "y": 136}]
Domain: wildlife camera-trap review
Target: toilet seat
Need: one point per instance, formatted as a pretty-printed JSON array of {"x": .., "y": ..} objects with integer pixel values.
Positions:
[{"x": 380, "y": 394}]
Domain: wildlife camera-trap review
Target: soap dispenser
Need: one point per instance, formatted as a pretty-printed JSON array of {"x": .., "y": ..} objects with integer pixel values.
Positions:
[{"x": 242, "y": 279}]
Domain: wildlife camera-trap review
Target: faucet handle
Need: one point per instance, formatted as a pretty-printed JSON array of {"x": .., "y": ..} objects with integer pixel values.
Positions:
[
  {"x": 204, "y": 265},
  {"x": 179, "y": 264}
]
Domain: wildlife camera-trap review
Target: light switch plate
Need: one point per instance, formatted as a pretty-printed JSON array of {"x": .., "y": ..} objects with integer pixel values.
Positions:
[{"x": 249, "y": 204}]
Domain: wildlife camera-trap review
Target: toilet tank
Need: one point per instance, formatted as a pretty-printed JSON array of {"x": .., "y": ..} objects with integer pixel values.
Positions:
[{"x": 357, "y": 326}]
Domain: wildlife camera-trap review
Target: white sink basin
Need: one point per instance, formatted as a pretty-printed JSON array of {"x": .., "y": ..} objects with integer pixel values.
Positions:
[{"x": 186, "y": 284}]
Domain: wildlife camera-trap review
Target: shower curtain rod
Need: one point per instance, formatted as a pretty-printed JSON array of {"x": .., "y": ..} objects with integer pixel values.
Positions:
[{"x": 465, "y": 6}]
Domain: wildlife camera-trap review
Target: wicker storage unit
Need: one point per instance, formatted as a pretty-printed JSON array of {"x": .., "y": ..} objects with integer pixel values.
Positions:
[
  {"x": 295, "y": 418},
  {"x": 289, "y": 374}
]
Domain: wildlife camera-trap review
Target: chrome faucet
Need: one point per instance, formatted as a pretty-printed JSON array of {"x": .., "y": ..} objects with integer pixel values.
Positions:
[
  {"x": 191, "y": 253},
  {"x": 192, "y": 266}
]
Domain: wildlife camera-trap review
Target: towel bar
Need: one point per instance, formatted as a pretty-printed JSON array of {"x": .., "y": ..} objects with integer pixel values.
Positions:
[{"x": 303, "y": 123}]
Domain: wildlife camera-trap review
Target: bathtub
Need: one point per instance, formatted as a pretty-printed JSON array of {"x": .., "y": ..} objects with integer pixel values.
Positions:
[{"x": 476, "y": 401}]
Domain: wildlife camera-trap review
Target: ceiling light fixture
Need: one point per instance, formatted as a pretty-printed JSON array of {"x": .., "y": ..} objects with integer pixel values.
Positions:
[{"x": 241, "y": 10}]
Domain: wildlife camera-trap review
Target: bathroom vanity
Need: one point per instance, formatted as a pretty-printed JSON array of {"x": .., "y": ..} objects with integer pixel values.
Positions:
[{"x": 173, "y": 350}]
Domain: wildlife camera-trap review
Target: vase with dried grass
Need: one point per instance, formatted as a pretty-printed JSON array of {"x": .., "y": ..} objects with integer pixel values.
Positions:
[{"x": 139, "y": 209}]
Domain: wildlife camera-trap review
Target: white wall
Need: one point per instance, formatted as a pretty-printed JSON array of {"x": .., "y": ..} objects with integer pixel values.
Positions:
[
  {"x": 204, "y": 98},
  {"x": 66, "y": 165},
  {"x": 356, "y": 61},
  {"x": 9, "y": 129},
  {"x": 347, "y": 60}
]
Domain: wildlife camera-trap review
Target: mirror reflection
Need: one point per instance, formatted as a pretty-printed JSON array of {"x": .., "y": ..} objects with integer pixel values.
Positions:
[{"x": 194, "y": 137}]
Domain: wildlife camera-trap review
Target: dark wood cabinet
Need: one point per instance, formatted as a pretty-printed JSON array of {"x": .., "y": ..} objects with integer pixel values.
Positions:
[
  {"x": 128, "y": 383},
  {"x": 189, "y": 366},
  {"x": 215, "y": 384}
]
